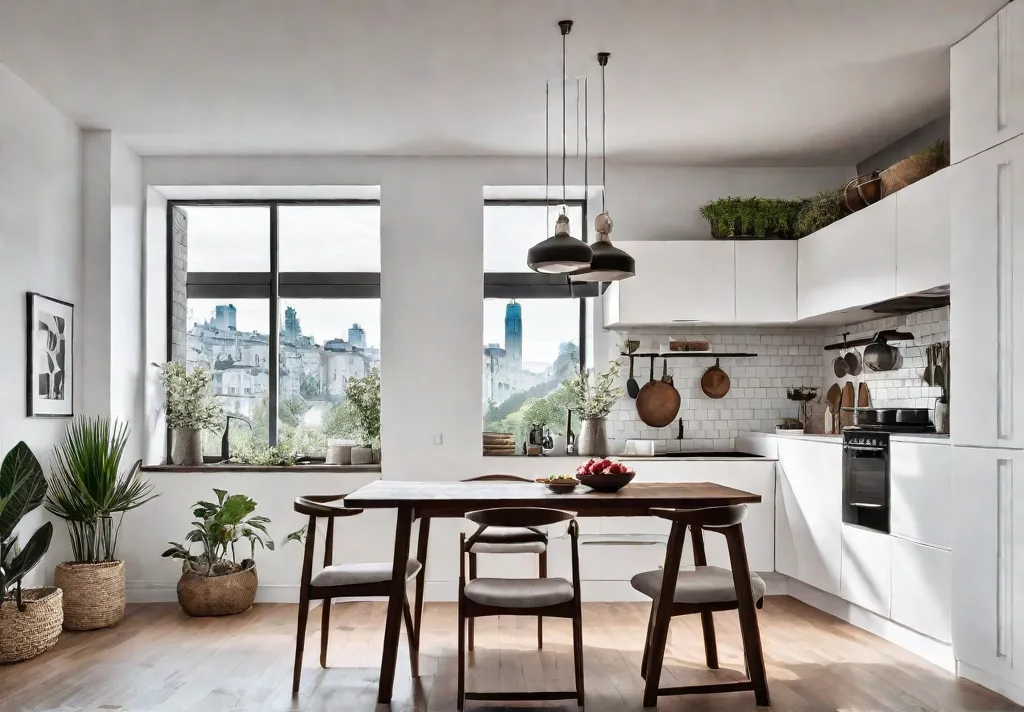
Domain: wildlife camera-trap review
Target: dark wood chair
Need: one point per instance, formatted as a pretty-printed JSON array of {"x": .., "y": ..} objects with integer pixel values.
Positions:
[
  {"x": 550, "y": 597},
  {"x": 340, "y": 581},
  {"x": 509, "y": 540},
  {"x": 703, "y": 590}
]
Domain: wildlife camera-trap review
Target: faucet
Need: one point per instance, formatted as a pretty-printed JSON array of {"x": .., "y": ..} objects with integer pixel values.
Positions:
[{"x": 224, "y": 452}]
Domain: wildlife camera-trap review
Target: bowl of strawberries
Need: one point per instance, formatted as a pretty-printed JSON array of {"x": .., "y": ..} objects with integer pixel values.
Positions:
[{"x": 604, "y": 475}]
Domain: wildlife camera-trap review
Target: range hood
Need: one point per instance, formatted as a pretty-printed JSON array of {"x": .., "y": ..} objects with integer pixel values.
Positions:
[{"x": 934, "y": 298}]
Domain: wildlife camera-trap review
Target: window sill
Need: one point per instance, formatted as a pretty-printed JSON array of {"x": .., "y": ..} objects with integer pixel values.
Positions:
[{"x": 208, "y": 469}]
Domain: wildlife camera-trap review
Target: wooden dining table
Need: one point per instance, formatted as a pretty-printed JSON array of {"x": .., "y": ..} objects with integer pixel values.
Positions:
[{"x": 431, "y": 500}]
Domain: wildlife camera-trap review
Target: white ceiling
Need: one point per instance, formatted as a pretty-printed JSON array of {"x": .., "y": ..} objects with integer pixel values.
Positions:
[{"x": 805, "y": 82}]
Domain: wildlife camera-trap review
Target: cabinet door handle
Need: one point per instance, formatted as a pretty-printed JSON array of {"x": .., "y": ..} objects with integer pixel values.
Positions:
[
  {"x": 1004, "y": 302},
  {"x": 866, "y": 505},
  {"x": 1004, "y": 556}
]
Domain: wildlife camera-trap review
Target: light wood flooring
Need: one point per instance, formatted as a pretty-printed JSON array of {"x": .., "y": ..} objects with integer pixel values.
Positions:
[{"x": 159, "y": 659}]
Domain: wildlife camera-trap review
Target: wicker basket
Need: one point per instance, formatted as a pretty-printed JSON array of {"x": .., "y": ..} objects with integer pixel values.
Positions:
[
  {"x": 26, "y": 634},
  {"x": 217, "y": 595},
  {"x": 93, "y": 593},
  {"x": 910, "y": 170}
]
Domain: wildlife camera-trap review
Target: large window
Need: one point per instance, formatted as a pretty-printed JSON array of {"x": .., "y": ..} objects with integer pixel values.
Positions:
[
  {"x": 533, "y": 323},
  {"x": 282, "y": 306}
]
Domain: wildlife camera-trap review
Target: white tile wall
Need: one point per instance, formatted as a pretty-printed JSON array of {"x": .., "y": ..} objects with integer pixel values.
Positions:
[
  {"x": 903, "y": 387},
  {"x": 757, "y": 398}
]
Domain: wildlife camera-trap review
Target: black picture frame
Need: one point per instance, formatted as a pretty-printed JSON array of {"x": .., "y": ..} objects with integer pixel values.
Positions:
[{"x": 49, "y": 392}]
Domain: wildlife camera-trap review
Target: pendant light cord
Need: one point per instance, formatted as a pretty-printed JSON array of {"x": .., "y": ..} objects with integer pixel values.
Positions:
[
  {"x": 547, "y": 144},
  {"x": 563, "y": 120},
  {"x": 586, "y": 141},
  {"x": 604, "y": 140}
]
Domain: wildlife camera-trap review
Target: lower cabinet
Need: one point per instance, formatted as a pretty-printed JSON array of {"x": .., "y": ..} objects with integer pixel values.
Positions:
[
  {"x": 922, "y": 588},
  {"x": 809, "y": 512},
  {"x": 866, "y": 569}
]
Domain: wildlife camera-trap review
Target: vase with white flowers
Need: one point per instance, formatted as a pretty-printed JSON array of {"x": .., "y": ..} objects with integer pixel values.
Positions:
[
  {"x": 592, "y": 396},
  {"x": 191, "y": 408}
]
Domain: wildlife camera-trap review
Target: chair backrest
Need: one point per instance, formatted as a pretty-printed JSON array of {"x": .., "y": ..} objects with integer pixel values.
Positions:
[
  {"x": 708, "y": 518},
  {"x": 321, "y": 505},
  {"x": 519, "y": 517},
  {"x": 497, "y": 478}
]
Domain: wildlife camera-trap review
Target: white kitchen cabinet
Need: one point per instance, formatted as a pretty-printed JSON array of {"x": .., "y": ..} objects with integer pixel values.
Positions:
[
  {"x": 765, "y": 281},
  {"x": 850, "y": 263},
  {"x": 922, "y": 234},
  {"x": 809, "y": 513},
  {"x": 988, "y": 560},
  {"x": 922, "y": 588},
  {"x": 986, "y": 85},
  {"x": 919, "y": 504},
  {"x": 866, "y": 569},
  {"x": 675, "y": 282},
  {"x": 986, "y": 320}
]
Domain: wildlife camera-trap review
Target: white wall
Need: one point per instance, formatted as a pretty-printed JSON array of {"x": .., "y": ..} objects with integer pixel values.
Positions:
[
  {"x": 154, "y": 327},
  {"x": 41, "y": 248}
]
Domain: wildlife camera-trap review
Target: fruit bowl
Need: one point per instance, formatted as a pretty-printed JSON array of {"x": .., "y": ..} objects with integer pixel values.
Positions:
[
  {"x": 559, "y": 483},
  {"x": 604, "y": 475}
]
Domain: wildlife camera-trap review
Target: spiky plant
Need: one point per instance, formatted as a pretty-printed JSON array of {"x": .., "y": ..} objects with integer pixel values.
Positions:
[
  {"x": 88, "y": 489},
  {"x": 820, "y": 211}
]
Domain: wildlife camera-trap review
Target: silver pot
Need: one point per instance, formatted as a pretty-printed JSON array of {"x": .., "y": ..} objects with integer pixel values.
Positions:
[
  {"x": 187, "y": 447},
  {"x": 880, "y": 356},
  {"x": 593, "y": 441}
]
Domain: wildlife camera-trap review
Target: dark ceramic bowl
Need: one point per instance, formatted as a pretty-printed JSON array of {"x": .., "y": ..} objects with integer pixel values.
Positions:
[{"x": 606, "y": 481}]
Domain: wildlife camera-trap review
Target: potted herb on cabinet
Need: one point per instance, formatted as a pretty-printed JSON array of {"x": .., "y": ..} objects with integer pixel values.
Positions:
[
  {"x": 764, "y": 218},
  {"x": 213, "y": 582},
  {"x": 89, "y": 491},
  {"x": 30, "y": 619},
  {"x": 191, "y": 409}
]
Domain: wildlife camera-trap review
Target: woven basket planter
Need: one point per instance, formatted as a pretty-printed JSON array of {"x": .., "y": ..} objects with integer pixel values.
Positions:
[
  {"x": 909, "y": 170},
  {"x": 225, "y": 595},
  {"x": 26, "y": 634},
  {"x": 93, "y": 593}
]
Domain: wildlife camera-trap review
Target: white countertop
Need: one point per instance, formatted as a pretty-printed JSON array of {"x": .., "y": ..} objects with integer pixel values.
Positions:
[{"x": 930, "y": 438}]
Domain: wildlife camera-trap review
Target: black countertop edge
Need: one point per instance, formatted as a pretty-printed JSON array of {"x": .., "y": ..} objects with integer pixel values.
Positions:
[{"x": 290, "y": 469}]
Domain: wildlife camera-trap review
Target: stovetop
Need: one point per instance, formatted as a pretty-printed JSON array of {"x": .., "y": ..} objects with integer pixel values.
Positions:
[{"x": 894, "y": 428}]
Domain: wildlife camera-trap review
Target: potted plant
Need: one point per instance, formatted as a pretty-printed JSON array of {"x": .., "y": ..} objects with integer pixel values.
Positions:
[
  {"x": 913, "y": 168},
  {"x": 213, "y": 582},
  {"x": 191, "y": 408},
  {"x": 820, "y": 211},
  {"x": 90, "y": 492},
  {"x": 591, "y": 395},
  {"x": 30, "y": 619},
  {"x": 362, "y": 403},
  {"x": 755, "y": 217}
]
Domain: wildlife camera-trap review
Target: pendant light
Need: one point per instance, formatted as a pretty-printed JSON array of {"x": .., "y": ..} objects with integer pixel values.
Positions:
[
  {"x": 609, "y": 263},
  {"x": 561, "y": 253}
]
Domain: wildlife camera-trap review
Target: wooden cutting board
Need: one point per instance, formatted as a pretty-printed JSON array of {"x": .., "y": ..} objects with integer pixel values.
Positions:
[
  {"x": 847, "y": 401},
  {"x": 863, "y": 396}
]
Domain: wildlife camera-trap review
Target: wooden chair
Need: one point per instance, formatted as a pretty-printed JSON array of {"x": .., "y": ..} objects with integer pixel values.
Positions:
[
  {"x": 340, "y": 581},
  {"x": 551, "y": 597},
  {"x": 703, "y": 590},
  {"x": 509, "y": 540}
]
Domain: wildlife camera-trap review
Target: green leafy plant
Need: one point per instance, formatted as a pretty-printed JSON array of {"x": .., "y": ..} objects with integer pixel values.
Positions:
[
  {"x": 937, "y": 154},
  {"x": 592, "y": 395},
  {"x": 217, "y": 528},
  {"x": 22, "y": 489},
  {"x": 258, "y": 453},
  {"x": 88, "y": 489},
  {"x": 188, "y": 399},
  {"x": 362, "y": 407},
  {"x": 751, "y": 217},
  {"x": 820, "y": 211}
]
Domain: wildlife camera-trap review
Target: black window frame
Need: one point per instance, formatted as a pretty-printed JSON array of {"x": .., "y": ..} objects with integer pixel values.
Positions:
[
  {"x": 271, "y": 285},
  {"x": 534, "y": 285}
]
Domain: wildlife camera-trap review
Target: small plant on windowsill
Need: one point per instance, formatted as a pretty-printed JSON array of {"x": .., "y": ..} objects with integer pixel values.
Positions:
[
  {"x": 592, "y": 396},
  {"x": 213, "y": 582},
  {"x": 359, "y": 416},
  {"x": 191, "y": 408}
]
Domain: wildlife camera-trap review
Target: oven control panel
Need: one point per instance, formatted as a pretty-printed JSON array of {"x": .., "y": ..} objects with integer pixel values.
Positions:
[{"x": 863, "y": 439}]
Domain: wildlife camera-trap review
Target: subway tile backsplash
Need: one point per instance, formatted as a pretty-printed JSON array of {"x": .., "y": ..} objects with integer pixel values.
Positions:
[{"x": 757, "y": 401}]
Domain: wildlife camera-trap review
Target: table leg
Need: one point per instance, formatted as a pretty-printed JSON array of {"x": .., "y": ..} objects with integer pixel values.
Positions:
[
  {"x": 421, "y": 556},
  {"x": 396, "y": 599}
]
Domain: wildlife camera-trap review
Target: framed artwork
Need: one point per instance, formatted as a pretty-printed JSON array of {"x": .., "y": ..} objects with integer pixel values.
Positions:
[{"x": 50, "y": 365}]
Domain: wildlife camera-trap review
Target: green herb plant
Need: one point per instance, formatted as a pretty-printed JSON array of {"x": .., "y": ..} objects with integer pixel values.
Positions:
[
  {"x": 592, "y": 395},
  {"x": 188, "y": 398},
  {"x": 218, "y": 526},
  {"x": 362, "y": 405},
  {"x": 88, "y": 489},
  {"x": 22, "y": 489},
  {"x": 820, "y": 211}
]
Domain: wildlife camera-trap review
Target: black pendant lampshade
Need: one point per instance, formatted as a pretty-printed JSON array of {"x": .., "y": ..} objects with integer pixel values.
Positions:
[
  {"x": 609, "y": 263},
  {"x": 560, "y": 253}
]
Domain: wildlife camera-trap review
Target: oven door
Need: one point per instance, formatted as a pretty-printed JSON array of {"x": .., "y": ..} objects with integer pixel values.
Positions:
[{"x": 865, "y": 477}]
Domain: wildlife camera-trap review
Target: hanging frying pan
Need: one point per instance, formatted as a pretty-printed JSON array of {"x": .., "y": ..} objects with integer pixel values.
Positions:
[
  {"x": 658, "y": 402},
  {"x": 715, "y": 382},
  {"x": 854, "y": 363}
]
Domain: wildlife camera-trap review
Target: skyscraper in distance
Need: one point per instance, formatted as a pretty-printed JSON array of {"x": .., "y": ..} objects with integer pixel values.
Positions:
[
  {"x": 292, "y": 328},
  {"x": 225, "y": 316},
  {"x": 514, "y": 335},
  {"x": 357, "y": 336}
]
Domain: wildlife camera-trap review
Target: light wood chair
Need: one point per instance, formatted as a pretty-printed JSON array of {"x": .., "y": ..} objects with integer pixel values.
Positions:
[
  {"x": 509, "y": 540},
  {"x": 340, "y": 581},
  {"x": 550, "y": 597},
  {"x": 704, "y": 590}
]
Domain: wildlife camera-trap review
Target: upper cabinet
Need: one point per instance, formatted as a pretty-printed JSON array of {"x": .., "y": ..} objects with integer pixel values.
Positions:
[
  {"x": 922, "y": 234},
  {"x": 986, "y": 321},
  {"x": 986, "y": 79},
  {"x": 765, "y": 281},
  {"x": 675, "y": 282},
  {"x": 850, "y": 263}
]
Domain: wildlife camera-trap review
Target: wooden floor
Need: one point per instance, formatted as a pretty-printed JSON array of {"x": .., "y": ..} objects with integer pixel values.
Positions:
[{"x": 159, "y": 659}]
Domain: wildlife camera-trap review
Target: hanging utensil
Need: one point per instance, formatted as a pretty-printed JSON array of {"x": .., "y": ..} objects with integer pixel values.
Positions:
[
  {"x": 853, "y": 362},
  {"x": 632, "y": 387},
  {"x": 665, "y": 374},
  {"x": 658, "y": 402},
  {"x": 715, "y": 382},
  {"x": 880, "y": 356},
  {"x": 835, "y": 393},
  {"x": 863, "y": 395},
  {"x": 839, "y": 367}
]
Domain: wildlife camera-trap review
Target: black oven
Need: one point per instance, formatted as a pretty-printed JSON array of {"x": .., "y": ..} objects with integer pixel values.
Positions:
[{"x": 866, "y": 479}]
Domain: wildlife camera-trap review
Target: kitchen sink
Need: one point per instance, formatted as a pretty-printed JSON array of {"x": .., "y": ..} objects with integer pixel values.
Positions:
[{"x": 724, "y": 454}]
